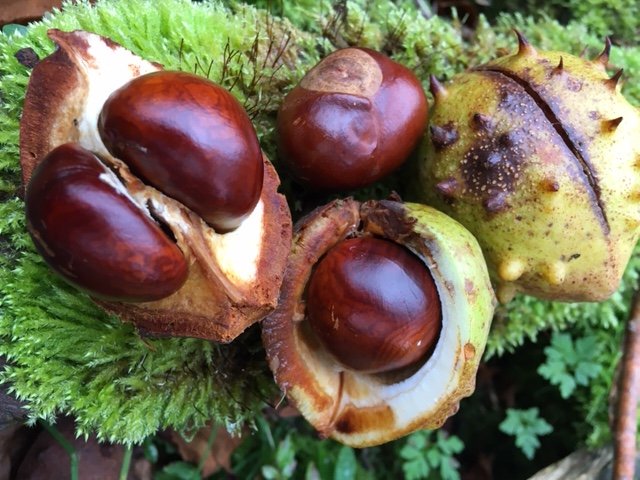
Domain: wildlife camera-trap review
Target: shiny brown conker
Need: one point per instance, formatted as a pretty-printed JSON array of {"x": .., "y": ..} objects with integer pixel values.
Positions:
[
  {"x": 93, "y": 234},
  {"x": 373, "y": 305},
  {"x": 353, "y": 119},
  {"x": 190, "y": 139}
]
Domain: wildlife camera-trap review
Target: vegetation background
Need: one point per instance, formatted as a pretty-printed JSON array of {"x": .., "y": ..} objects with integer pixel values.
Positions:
[{"x": 545, "y": 387}]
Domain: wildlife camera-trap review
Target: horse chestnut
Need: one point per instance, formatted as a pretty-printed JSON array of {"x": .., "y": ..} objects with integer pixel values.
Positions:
[
  {"x": 382, "y": 319},
  {"x": 537, "y": 154},
  {"x": 353, "y": 119},
  {"x": 94, "y": 235},
  {"x": 374, "y": 305},
  {"x": 118, "y": 227},
  {"x": 189, "y": 138}
]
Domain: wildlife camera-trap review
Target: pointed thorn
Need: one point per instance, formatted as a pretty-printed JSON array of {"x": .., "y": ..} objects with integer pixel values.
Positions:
[
  {"x": 560, "y": 68},
  {"x": 505, "y": 292},
  {"x": 611, "y": 125},
  {"x": 482, "y": 123},
  {"x": 555, "y": 273},
  {"x": 612, "y": 82},
  {"x": 496, "y": 203},
  {"x": 524, "y": 47},
  {"x": 443, "y": 136},
  {"x": 550, "y": 185},
  {"x": 511, "y": 270},
  {"x": 603, "y": 58},
  {"x": 448, "y": 188},
  {"x": 436, "y": 88}
]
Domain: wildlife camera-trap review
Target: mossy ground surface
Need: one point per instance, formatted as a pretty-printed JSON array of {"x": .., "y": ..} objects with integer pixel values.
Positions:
[{"x": 66, "y": 356}]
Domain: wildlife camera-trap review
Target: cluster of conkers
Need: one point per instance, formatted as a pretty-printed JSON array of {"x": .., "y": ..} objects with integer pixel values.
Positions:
[{"x": 375, "y": 313}]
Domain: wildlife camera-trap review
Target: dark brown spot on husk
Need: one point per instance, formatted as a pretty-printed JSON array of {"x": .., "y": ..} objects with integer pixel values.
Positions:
[
  {"x": 550, "y": 185},
  {"x": 492, "y": 166},
  {"x": 496, "y": 203},
  {"x": 443, "y": 136},
  {"x": 482, "y": 123},
  {"x": 448, "y": 188},
  {"x": 573, "y": 141}
]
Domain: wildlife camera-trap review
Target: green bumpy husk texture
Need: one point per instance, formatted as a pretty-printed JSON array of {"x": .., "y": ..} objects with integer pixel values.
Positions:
[{"x": 67, "y": 356}]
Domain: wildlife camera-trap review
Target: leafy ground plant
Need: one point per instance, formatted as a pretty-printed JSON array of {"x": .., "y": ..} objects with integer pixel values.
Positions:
[
  {"x": 570, "y": 363},
  {"x": 431, "y": 455},
  {"x": 526, "y": 426}
]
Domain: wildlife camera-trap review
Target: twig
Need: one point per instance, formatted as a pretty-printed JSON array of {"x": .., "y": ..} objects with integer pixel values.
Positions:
[{"x": 624, "y": 445}]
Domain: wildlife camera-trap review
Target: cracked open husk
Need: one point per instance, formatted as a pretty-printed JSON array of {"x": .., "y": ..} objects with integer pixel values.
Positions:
[
  {"x": 234, "y": 278},
  {"x": 537, "y": 154},
  {"x": 360, "y": 409}
]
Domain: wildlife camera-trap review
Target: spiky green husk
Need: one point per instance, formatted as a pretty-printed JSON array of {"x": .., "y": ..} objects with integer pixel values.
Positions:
[{"x": 67, "y": 356}]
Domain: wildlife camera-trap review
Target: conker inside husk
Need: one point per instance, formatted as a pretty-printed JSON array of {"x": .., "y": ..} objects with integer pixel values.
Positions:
[
  {"x": 374, "y": 305},
  {"x": 96, "y": 236},
  {"x": 337, "y": 390},
  {"x": 189, "y": 138},
  {"x": 118, "y": 227},
  {"x": 352, "y": 120}
]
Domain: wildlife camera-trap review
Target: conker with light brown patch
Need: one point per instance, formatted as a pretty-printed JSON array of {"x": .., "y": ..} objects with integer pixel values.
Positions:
[
  {"x": 94, "y": 235},
  {"x": 352, "y": 120},
  {"x": 190, "y": 139},
  {"x": 374, "y": 305}
]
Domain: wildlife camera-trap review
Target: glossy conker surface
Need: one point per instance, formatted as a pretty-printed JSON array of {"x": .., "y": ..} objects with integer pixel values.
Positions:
[
  {"x": 190, "y": 139},
  {"x": 373, "y": 305},
  {"x": 94, "y": 235},
  {"x": 353, "y": 119}
]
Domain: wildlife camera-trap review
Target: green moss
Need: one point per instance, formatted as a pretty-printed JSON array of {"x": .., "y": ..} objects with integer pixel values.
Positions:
[
  {"x": 619, "y": 19},
  {"x": 67, "y": 356}
]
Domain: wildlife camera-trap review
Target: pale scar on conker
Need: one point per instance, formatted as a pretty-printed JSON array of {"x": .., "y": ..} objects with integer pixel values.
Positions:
[
  {"x": 538, "y": 155},
  {"x": 382, "y": 319},
  {"x": 148, "y": 190},
  {"x": 353, "y": 119}
]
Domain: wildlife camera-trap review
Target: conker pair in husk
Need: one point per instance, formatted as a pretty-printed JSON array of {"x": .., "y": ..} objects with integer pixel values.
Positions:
[
  {"x": 177, "y": 210},
  {"x": 537, "y": 154},
  {"x": 353, "y": 119},
  {"x": 401, "y": 323}
]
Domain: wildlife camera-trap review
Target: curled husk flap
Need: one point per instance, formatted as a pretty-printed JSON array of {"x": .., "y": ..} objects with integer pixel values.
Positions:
[
  {"x": 361, "y": 409},
  {"x": 537, "y": 154},
  {"x": 234, "y": 278}
]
